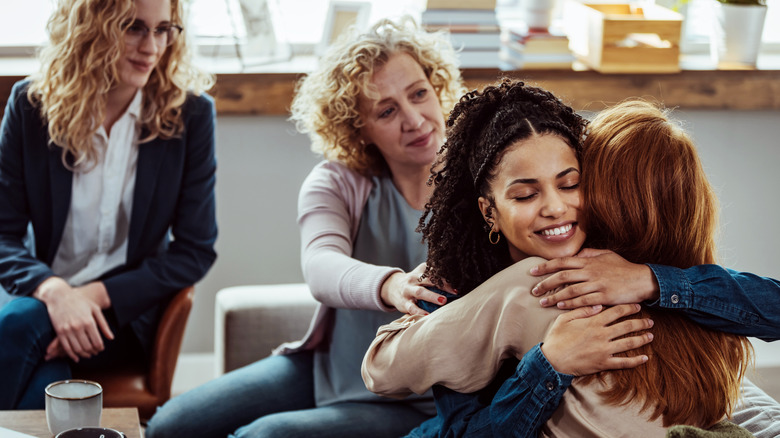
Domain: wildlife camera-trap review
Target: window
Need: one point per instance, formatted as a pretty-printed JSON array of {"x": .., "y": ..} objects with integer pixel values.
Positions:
[
  {"x": 219, "y": 29},
  {"x": 23, "y": 26},
  {"x": 212, "y": 18}
]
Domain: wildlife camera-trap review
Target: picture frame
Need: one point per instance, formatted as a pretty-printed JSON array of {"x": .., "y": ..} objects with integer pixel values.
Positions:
[{"x": 341, "y": 16}]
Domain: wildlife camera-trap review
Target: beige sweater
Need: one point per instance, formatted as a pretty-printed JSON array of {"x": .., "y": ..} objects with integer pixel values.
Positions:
[{"x": 497, "y": 320}]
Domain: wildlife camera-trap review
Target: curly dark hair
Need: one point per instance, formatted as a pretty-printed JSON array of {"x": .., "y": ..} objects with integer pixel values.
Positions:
[{"x": 480, "y": 129}]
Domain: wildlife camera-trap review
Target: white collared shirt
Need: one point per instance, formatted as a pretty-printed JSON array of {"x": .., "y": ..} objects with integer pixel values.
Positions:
[{"x": 94, "y": 240}]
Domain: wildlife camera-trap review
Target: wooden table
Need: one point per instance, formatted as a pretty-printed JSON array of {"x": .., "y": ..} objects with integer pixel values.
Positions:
[{"x": 33, "y": 423}]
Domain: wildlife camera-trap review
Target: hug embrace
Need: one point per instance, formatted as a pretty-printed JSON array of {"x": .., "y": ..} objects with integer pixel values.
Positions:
[
  {"x": 518, "y": 179},
  {"x": 498, "y": 323}
]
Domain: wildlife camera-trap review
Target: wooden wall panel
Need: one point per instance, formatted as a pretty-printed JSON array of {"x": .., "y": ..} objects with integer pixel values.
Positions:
[{"x": 271, "y": 93}]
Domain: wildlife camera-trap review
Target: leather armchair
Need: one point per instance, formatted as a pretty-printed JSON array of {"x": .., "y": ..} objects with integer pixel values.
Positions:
[{"x": 148, "y": 388}]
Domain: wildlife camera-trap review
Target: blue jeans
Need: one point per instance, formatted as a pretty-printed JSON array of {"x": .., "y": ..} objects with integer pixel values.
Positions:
[
  {"x": 274, "y": 397},
  {"x": 25, "y": 333}
]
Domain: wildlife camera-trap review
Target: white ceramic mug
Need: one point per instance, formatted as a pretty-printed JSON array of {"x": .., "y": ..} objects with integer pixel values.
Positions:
[{"x": 73, "y": 403}]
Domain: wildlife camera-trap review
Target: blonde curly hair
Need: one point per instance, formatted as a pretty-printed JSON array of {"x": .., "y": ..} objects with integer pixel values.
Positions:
[
  {"x": 326, "y": 101},
  {"x": 79, "y": 67}
]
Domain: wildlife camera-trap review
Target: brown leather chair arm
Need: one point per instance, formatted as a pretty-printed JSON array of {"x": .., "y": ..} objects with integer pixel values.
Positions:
[{"x": 167, "y": 343}]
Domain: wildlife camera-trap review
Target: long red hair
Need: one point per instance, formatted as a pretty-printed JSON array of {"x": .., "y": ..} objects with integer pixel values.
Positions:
[{"x": 649, "y": 200}]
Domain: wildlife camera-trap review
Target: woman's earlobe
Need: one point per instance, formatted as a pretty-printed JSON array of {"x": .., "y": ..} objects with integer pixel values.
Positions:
[{"x": 484, "y": 208}]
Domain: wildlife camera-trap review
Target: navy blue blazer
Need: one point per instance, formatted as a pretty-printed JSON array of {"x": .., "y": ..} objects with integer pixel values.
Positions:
[{"x": 172, "y": 225}]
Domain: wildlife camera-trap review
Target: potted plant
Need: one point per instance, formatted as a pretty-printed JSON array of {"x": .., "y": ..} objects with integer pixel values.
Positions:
[{"x": 738, "y": 25}]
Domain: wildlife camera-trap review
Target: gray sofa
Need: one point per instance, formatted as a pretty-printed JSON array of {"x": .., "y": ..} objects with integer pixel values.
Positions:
[{"x": 250, "y": 321}]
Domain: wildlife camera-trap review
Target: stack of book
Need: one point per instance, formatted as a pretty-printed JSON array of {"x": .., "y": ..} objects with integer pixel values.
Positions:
[
  {"x": 535, "y": 49},
  {"x": 473, "y": 28}
]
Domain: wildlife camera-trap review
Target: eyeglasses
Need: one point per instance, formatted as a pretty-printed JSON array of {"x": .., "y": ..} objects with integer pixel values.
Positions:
[{"x": 164, "y": 35}]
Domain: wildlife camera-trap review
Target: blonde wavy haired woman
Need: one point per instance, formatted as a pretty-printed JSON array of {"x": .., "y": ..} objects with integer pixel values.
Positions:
[
  {"x": 375, "y": 109},
  {"x": 108, "y": 154}
]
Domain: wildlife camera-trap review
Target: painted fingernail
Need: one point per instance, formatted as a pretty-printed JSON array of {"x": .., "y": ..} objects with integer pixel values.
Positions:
[
  {"x": 645, "y": 358},
  {"x": 652, "y": 323},
  {"x": 543, "y": 301},
  {"x": 535, "y": 290},
  {"x": 650, "y": 336},
  {"x": 442, "y": 300},
  {"x": 534, "y": 270}
]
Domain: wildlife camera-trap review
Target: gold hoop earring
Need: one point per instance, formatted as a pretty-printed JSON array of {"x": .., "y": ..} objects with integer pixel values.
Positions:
[{"x": 490, "y": 237}]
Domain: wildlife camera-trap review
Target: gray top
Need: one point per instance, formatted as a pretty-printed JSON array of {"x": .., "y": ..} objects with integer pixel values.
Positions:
[{"x": 386, "y": 237}]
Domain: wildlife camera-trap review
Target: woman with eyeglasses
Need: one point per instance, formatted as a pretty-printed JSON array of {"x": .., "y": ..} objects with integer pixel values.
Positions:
[{"x": 103, "y": 152}]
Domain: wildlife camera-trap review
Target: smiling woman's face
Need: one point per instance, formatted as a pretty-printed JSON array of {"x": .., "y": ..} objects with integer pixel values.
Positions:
[
  {"x": 537, "y": 199},
  {"x": 139, "y": 60}
]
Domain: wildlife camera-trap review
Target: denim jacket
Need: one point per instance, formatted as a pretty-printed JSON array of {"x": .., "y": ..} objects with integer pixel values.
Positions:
[
  {"x": 525, "y": 393},
  {"x": 722, "y": 299}
]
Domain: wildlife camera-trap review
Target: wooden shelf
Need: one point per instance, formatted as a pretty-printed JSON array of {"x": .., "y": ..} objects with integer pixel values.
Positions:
[
  {"x": 271, "y": 93},
  {"x": 690, "y": 89}
]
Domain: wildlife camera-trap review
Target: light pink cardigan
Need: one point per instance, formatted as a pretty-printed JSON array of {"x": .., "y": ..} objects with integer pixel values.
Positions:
[{"x": 330, "y": 205}]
